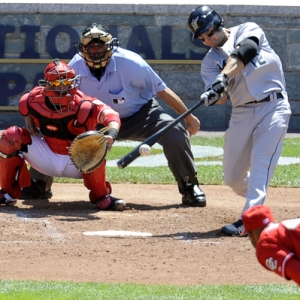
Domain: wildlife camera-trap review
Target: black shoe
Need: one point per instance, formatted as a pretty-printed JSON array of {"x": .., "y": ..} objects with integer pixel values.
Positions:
[
  {"x": 234, "y": 229},
  {"x": 194, "y": 196},
  {"x": 32, "y": 192},
  {"x": 111, "y": 203},
  {"x": 5, "y": 201},
  {"x": 117, "y": 204}
]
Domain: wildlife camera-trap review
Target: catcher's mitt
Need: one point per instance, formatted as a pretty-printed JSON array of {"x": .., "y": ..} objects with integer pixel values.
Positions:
[{"x": 88, "y": 150}]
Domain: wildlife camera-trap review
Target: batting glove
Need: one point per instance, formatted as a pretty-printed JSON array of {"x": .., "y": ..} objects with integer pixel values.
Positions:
[
  {"x": 210, "y": 98},
  {"x": 220, "y": 83}
]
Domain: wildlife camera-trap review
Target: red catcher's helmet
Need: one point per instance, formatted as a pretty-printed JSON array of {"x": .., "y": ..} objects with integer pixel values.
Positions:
[
  {"x": 202, "y": 18},
  {"x": 58, "y": 70},
  {"x": 60, "y": 83}
]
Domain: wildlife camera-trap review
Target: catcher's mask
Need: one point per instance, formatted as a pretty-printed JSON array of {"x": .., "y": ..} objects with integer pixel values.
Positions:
[
  {"x": 201, "y": 19},
  {"x": 60, "y": 82},
  {"x": 96, "y": 46}
]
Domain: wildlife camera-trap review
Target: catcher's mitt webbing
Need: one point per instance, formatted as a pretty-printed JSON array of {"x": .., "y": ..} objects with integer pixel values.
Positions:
[{"x": 88, "y": 150}]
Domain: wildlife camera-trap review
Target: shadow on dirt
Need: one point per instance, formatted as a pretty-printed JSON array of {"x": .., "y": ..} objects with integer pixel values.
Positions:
[
  {"x": 134, "y": 206},
  {"x": 42, "y": 208},
  {"x": 192, "y": 236}
]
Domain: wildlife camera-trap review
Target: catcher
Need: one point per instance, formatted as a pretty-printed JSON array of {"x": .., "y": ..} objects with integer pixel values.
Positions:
[{"x": 61, "y": 113}]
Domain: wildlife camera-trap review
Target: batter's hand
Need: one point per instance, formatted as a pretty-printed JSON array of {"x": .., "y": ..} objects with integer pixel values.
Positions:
[
  {"x": 210, "y": 98},
  {"x": 220, "y": 83}
]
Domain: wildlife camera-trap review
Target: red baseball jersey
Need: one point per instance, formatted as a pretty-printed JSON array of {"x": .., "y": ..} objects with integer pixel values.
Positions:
[{"x": 277, "y": 244}]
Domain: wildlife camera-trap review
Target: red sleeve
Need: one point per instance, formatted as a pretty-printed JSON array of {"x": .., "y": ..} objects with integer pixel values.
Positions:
[
  {"x": 23, "y": 108},
  {"x": 92, "y": 122},
  {"x": 292, "y": 270},
  {"x": 98, "y": 108},
  {"x": 271, "y": 250},
  {"x": 272, "y": 256}
]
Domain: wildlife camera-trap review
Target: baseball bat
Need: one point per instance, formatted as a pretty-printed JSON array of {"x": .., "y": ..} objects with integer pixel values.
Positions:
[{"x": 151, "y": 140}]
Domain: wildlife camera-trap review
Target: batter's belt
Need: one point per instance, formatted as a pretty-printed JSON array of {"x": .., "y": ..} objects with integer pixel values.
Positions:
[{"x": 267, "y": 99}]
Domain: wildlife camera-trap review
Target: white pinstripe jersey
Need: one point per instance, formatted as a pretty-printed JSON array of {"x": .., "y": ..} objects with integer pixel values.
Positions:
[{"x": 258, "y": 78}]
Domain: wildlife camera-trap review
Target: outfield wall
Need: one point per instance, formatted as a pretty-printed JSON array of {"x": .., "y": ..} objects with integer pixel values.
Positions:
[{"x": 32, "y": 35}]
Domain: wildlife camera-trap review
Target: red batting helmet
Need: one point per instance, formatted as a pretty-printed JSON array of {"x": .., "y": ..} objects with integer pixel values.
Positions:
[{"x": 256, "y": 217}]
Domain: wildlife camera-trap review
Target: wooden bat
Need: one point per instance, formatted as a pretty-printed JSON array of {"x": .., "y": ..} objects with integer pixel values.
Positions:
[{"x": 151, "y": 140}]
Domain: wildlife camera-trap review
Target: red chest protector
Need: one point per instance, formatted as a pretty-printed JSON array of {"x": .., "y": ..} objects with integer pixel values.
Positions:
[{"x": 59, "y": 127}]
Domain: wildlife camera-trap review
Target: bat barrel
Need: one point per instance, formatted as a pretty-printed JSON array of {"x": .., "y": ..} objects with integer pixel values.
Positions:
[{"x": 129, "y": 158}]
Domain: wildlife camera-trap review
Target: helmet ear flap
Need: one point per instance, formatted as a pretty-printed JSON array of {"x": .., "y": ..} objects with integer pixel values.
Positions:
[{"x": 78, "y": 47}]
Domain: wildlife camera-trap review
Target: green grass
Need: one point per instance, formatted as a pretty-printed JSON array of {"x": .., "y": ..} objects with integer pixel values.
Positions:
[
  {"x": 32, "y": 290},
  {"x": 285, "y": 176}
]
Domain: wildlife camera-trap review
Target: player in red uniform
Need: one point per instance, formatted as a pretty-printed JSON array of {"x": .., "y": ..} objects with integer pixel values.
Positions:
[
  {"x": 60, "y": 112},
  {"x": 277, "y": 244}
]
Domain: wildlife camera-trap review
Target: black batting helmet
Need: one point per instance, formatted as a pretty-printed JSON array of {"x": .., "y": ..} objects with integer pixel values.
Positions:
[{"x": 201, "y": 19}]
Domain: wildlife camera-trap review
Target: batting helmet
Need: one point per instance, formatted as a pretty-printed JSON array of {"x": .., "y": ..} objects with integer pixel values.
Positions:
[{"x": 201, "y": 19}]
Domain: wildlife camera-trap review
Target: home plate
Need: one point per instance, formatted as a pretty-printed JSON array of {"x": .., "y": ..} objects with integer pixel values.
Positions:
[{"x": 112, "y": 233}]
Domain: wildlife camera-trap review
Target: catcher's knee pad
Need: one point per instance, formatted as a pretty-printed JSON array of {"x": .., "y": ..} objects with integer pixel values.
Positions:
[
  {"x": 96, "y": 183},
  {"x": 13, "y": 140},
  {"x": 13, "y": 175}
]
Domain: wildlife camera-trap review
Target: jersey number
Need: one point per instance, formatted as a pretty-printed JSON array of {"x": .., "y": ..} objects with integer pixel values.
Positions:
[{"x": 258, "y": 61}]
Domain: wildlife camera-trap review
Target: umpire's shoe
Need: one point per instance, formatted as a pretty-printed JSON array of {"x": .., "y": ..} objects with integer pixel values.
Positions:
[
  {"x": 194, "y": 196},
  {"x": 234, "y": 229},
  {"x": 111, "y": 203}
]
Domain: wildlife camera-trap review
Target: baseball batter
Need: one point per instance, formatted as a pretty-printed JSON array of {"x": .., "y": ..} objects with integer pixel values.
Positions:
[
  {"x": 242, "y": 67},
  {"x": 277, "y": 244},
  {"x": 60, "y": 112}
]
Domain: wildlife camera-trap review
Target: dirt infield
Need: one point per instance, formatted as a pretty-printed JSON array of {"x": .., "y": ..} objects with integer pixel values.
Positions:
[{"x": 44, "y": 240}]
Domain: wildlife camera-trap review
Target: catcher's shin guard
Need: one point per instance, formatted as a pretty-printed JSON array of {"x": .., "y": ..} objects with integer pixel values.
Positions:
[
  {"x": 13, "y": 170},
  {"x": 100, "y": 190},
  {"x": 96, "y": 183},
  {"x": 13, "y": 175}
]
